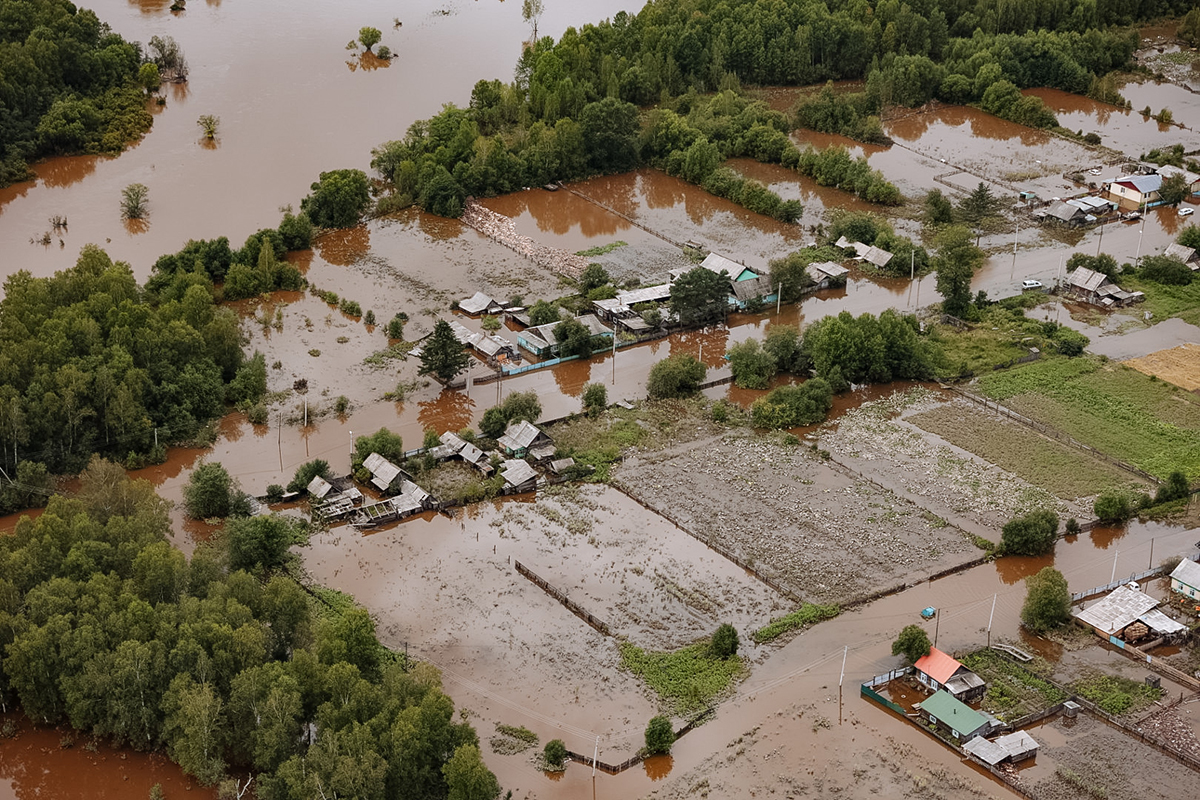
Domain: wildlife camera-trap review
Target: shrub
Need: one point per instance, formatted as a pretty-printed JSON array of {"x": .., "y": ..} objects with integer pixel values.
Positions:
[
  {"x": 395, "y": 326},
  {"x": 262, "y": 542},
  {"x": 913, "y": 643},
  {"x": 1031, "y": 535},
  {"x": 554, "y": 756},
  {"x": 275, "y": 493},
  {"x": 677, "y": 376},
  {"x": 351, "y": 307},
  {"x": 660, "y": 735},
  {"x": 306, "y": 472},
  {"x": 1072, "y": 527},
  {"x": 1047, "y": 601},
  {"x": 1112, "y": 506},
  {"x": 211, "y": 492},
  {"x": 342, "y": 404},
  {"x": 387, "y": 444},
  {"x": 369, "y": 317},
  {"x": 1166, "y": 270},
  {"x": 724, "y": 642},
  {"x": 753, "y": 367},
  {"x": 792, "y": 406},
  {"x": 1176, "y": 488},
  {"x": 595, "y": 399}
]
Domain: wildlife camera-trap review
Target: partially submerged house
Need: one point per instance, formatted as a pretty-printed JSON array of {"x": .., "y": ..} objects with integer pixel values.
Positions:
[
  {"x": 1136, "y": 190},
  {"x": 1191, "y": 179},
  {"x": 866, "y": 252},
  {"x": 518, "y": 476},
  {"x": 1064, "y": 213},
  {"x": 757, "y": 290},
  {"x": 1130, "y": 615},
  {"x": 383, "y": 472},
  {"x": 940, "y": 670},
  {"x": 454, "y": 446},
  {"x": 1011, "y": 747},
  {"x": 827, "y": 273},
  {"x": 953, "y": 716},
  {"x": 541, "y": 341},
  {"x": 479, "y": 303},
  {"x": 1185, "y": 579},
  {"x": 1095, "y": 288},
  {"x": 521, "y": 438}
]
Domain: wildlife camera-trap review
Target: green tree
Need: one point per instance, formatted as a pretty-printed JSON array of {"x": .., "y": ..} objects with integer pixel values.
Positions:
[
  {"x": 305, "y": 473},
  {"x": 790, "y": 406},
  {"x": 554, "y": 756},
  {"x": 135, "y": 201},
  {"x": 490, "y": 324},
  {"x": 208, "y": 125},
  {"x": 938, "y": 210},
  {"x": 1112, "y": 506},
  {"x": 753, "y": 367},
  {"x": 383, "y": 441},
  {"x": 610, "y": 135},
  {"x": 350, "y": 637},
  {"x": 149, "y": 77},
  {"x": 574, "y": 338},
  {"x": 395, "y": 326},
  {"x": 1189, "y": 27},
  {"x": 196, "y": 729},
  {"x": 1174, "y": 190},
  {"x": 700, "y": 296},
  {"x": 956, "y": 261},
  {"x": 262, "y": 542},
  {"x": 1047, "y": 601},
  {"x": 522, "y": 406},
  {"x": 1176, "y": 488},
  {"x": 978, "y": 205},
  {"x": 679, "y": 375},
  {"x": 912, "y": 643},
  {"x": 595, "y": 399},
  {"x": 543, "y": 313},
  {"x": 783, "y": 344},
  {"x": 593, "y": 277},
  {"x": 531, "y": 11},
  {"x": 1166, "y": 270},
  {"x": 211, "y": 492},
  {"x": 789, "y": 275},
  {"x": 369, "y": 37},
  {"x": 442, "y": 355},
  {"x": 467, "y": 778},
  {"x": 1031, "y": 535},
  {"x": 339, "y": 198},
  {"x": 493, "y": 423},
  {"x": 660, "y": 735},
  {"x": 724, "y": 643}
]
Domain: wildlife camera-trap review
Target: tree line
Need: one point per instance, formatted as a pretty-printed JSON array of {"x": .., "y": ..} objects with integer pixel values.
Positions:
[
  {"x": 222, "y": 660},
  {"x": 68, "y": 85}
]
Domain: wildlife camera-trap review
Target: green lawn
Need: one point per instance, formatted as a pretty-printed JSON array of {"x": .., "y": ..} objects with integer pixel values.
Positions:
[
  {"x": 688, "y": 678},
  {"x": 1121, "y": 412},
  {"x": 1002, "y": 336},
  {"x": 1165, "y": 301}
]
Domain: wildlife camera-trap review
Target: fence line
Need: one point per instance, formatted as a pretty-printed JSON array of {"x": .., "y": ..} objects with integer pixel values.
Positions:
[
  {"x": 1053, "y": 433},
  {"x": 1108, "y": 587},
  {"x": 561, "y": 597}
]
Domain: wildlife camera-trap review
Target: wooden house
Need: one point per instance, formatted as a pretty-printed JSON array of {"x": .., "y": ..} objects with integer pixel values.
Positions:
[
  {"x": 520, "y": 438},
  {"x": 1096, "y": 289},
  {"x": 1136, "y": 190},
  {"x": 953, "y": 717},
  {"x": 1185, "y": 254},
  {"x": 827, "y": 273},
  {"x": 938, "y": 671},
  {"x": 1130, "y": 615},
  {"x": 1012, "y": 747},
  {"x": 1185, "y": 579},
  {"x": 518, "y": 476},
  {"x": 479, "y": 303}
]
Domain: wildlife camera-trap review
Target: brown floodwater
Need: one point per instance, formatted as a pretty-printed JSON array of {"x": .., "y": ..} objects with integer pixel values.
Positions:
[
  {"x": 59, "y": 763},
  {"x": 1121, "y": 129},
  {"x": 293, "y": 102}
]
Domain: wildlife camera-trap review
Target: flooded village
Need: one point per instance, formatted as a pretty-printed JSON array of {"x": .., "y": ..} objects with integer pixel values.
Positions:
[{"x": 958, "y": 544}]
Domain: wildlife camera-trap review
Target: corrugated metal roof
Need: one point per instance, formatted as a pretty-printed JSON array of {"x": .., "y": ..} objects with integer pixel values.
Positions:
[
  {"x": 1188, "y": 572},
  {"x": 520, "y": 436},
  {"x": 1120, "y": 609},
  {"x": 477, "y": 303},
  {"x": 1085, "y": 279},
  {"x": 828, "y": 269},
  {"x": 1145, "y": 184},
  {"x": 955, "y": 713},
  {"x": 987, "y": 752},
  {"x": 517, "y": 472},
  {"x": 646, "y": 294},
  {"x": 937, "y": 665},
  {"x": 318, "y": 487},
  {"x": 1160, "y": 623},
  {"x": 877, "y": 256},
  {"x": 1065, "y": 212},
  {"x": 381, "y": 468},
  {"x": 1176, "y": 250},
  {"x": 716, "y": 263}
]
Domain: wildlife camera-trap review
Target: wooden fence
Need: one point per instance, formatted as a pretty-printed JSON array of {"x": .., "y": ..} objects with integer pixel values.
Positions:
[
  {"x": 561, "y": 597},
  {"x": 1108, "y": 587},
  {"x": 613, "y": 769}
]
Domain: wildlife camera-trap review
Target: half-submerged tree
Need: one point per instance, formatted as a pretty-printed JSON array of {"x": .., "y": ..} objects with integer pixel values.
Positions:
[
  {"x": 531, "y": 10},
  {"x": 209, "y": 124},
  {"x": 369, "y": 37},
  {"x": 442, "y": 356},
  {"x": 913, "y": 643},
  {"x": 135, "y": 201}
]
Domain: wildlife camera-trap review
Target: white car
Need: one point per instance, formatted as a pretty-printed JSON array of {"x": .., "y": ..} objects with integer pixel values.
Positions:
[
  {"x": 1026, "y": 285},
  {"x": 1186, "y": 212}
]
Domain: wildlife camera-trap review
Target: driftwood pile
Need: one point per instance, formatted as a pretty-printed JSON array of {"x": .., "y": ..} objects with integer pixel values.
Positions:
[{"x": 503, "y": 230}]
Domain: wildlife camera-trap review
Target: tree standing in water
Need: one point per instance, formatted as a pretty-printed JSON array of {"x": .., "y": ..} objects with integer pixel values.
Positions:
[
  {"x": 369, "y": 37},
  {"x": 531, "y": 10},
  {"x": 443, "y": 356},
  {"x": 209, "y": 124}
]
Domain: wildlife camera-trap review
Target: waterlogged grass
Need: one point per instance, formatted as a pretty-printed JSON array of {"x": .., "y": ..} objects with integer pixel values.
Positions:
[
  {"x": 602, "y": 249},
  {"x": 1115, "y": 694},
  {"x": 1121, "y": 412},
  {"x": 686, "y": 679},
  {"x": 1013, "y": 691},
  {"x": 1165, "y": 301},
  {"x": 1058, "y": 468},
  {"x": 1001, "y": 338},
  {"x": 807, "y": 614}
]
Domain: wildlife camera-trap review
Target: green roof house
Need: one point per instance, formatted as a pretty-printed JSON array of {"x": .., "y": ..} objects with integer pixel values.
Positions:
[{"x": 953, "y": 716}]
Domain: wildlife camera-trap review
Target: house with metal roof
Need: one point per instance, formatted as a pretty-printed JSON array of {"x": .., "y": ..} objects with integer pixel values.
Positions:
[
  {"x": 827, "y": 273},
  {"x": 736, "y": 272},
  {"x": 1065, "y": 213},
  {"x": 940, "y": 670},
  {"x": 518, "y": 475},
  {"x": 1185, "y": 579},
  {"x": 479, "y": 303},
  {"x": 1185, "y": 254},
  {"x": 953, "y": 716},
  {"x": 383, "y": 472},
  {"x": 1096, "y": 288},
  {"x": 541, "y": 341},
  {"x": 866, "y": 252},
  {"x": 454, "y": 446},
  {"x": 1136, "y": 190},
  {"x": 1012, "y": 747},
  {"x": 318, "y": 487},
  {"x": 521, "y": 437},
  {"x": 1128, "y": 614},
  {"x": 756, "y": 290},
  {"x": 1190, "y": 178}
]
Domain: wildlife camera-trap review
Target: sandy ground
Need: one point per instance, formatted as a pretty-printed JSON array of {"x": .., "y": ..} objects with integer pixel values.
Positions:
[
  {"x": 447, "y": 590},
  {"x": 826, "y": 535},
  {"x": 1178, "y": 365},
  {"x": 875, "y": 440}
]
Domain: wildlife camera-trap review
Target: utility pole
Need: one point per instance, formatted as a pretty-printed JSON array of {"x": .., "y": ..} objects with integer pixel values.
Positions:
[
  {"x": 937, "y": 626},
  {"x": 990, "y": 617},
  {"x": 1151, "y": 566},
  {"x": 778, "y": 297},
  {"x": 1137, "y": 259},
  {"x": 1114, "y": 571},
  {"x": 351, "y": 452},
  {"x": 912, "y": 264},
  {"x": 845, "y": 652},
  {"x": 1101, "y": 240}
]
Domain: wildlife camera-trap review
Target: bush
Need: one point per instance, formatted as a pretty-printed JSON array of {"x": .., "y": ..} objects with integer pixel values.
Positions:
[
  {"x": 554, "y": 756},
  {"x": 1031, "y": 535},
  {"x": 1112, "y": 506},
  {"x": 350, "y": 307},
  {"x": 306, "y": 472},
  {"x": 913, "y": 643},
  {"x": 262, "y": 542},
  {"x": 753, "y": 367},
  {"x": 493, "y": 423},
  {"x": 1047, "y": 601},
  {"x": 660, "y": 735},
  {"x": 211, "y": 492},
  {"x": 387, "y": 444},
  {"x": 1176, "y": 488},
  {"x": 395, "y": 326},
  {"x": 793, "y": 406},
  {"x": 724, "y": 642},
  {"x": 369, "y": 317},
  {"x": 275, "y": 493},
  {"x": 1166, "y": 270},
  {"x": 677, "y": 376},
  {"x": 595, "y": 399},
  {"x": 1072, "y": 527}
]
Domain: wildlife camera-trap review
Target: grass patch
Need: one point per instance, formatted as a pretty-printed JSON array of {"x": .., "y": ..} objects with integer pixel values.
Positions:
[
  {"x": 1115, "y": 694},
  {"x": 1058, "y": 468},
  {"x": 687, "y": 679},
  {"x": 1080, "y": 783},
  {"x": 1013, "y": 691},
  {"x": 602, "y": 249},
  {"x": 1165, "y": 301},
  {"x": 807, "y": 614},
  {"x": 1130, "y": 416},
  {"x": 380, "y": 358},
  {"x": 1004, "y": 335},
  {"x": 456, "y": 482},
  {"x": 510, "y": 740}
]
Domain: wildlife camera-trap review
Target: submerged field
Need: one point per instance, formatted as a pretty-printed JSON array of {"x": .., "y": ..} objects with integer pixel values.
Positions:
[{"x": 1121, "y": 412}]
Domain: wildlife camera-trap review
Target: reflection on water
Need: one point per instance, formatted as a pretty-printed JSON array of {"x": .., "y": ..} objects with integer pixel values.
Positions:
[
  {"x": 62, "y": 172},
  {"x": 451, "y": 410},
  {"x": 136, "y": 227},
  {"x": 368, "y": 62},
  {"x": 1014, "y": 569},
  {"x": 658, "y": 767},
  {"x": 344, "y": 246}
]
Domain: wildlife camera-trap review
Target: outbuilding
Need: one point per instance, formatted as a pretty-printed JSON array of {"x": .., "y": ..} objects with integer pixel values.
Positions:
[{"x": 521, "y": 437}]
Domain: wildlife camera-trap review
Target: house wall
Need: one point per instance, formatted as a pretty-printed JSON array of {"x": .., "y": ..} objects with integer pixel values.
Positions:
[{"x": 1183, "y": 588}]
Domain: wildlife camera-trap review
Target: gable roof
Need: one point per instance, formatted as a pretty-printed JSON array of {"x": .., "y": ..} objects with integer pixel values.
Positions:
[
  {"x": 1008, "y": 746},
  {"x": 520, "y": 435},
  {"x": 1065, "y": 211},
  {"x": 318, "y": 487},
  {"x": 1146, "y": 184},
  {"x": 877, "y": 256},
  {"x": 955, "y": 713},
  {"x": 1168, "y": 170},
  {"x": 716, "y": 263},
  {"x": 828, "y": 269},
  {"x": 517, "y": 471},
  {"x": 1187, "y": 572},
  {"x": 937, "y": 665},
  {"x": 1086, "y": 279},
  {"x": 384, "y": 471},
  {"x": 477, "y": 304},
  {"x": 753, "y": 288},
  {"x": 1176, "y": 250},
  {"x": 1120, "y": 609}
]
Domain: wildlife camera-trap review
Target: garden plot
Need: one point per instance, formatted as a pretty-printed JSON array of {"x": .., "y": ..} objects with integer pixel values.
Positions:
[
  {"x": 447, "y": 589},
  {"x": 877, "y": 440},
  {"x": 826, "y": 535},
  {"x": 1067, "y": 472}
]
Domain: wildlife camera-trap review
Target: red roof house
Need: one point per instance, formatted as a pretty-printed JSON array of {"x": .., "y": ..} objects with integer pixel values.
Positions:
[{"x": 940, "y": 670}]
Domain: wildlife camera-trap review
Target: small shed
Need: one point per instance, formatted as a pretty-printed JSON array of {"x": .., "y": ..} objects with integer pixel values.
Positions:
[
  {"x": 1016, "y": 746},
  {"x": 940, "y": 670},
  {"x": 518, "y": 475},
  {"x": 561, "y": 465},
  {"x": 521, "y": 437},
  {"x": 383, "y": 471},
  {"x": 318, "y": 487},
  {"x": 1185, "y": 579},
  {"x": 479, "y": 303},
  {"x": 1065, "y": 213},
  {"x": 1185, "y": 254},
  {"x": 826, "y": 273},
  {"x": 1128, "y": 614},
  {"x": 543, "y": 452},
  {"x": 756, "y": 290},
  {"x": 953, "y": 716}
]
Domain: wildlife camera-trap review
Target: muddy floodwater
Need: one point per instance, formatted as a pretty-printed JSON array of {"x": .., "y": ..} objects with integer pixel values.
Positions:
[{"x": 1121, "y": 129}]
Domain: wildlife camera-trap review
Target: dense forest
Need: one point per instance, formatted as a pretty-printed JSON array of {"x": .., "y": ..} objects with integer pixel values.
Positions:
[
  {"x": 573, "y": 108},
  {"x": 68, "y": 85},
  {"x": 105, "y": 626}
]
